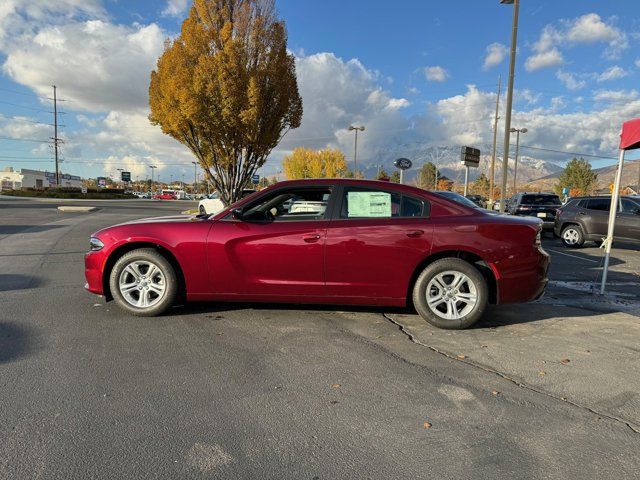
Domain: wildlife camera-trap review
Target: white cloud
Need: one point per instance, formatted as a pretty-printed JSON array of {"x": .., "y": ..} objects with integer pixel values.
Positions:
[
  {"x": 551, "y": 58},
  {"x": 570, "y": 81},
  {"x": 436, "y": 74},
  {"x": 612, "y": 73},
  {"x": 590, "y": 28},
  {"x": 175, "y": 8},
  {"x": 496, "y": 53},
  {"x": 98, "y": 66},
  {"x": 615, "y": 95}
]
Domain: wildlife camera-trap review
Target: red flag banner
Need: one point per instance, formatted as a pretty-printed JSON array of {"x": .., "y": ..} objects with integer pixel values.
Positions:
[{"x": 630, "y": 135}]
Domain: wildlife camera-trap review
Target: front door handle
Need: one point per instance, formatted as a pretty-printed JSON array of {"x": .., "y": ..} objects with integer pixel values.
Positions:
[
  {"x": 314, "y": 237},
  {"x": 415, "y": 233}
]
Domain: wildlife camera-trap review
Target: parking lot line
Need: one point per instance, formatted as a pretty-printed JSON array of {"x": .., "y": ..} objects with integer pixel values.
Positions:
[{"x": 573, "y": 256}]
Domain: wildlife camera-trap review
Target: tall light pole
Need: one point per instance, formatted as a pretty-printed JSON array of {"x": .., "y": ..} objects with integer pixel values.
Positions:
[
  {"x": 517, "y": 131},
  {"x": 355, "y": 148},
  {"x": 507, "y": 116},
  {"x": 493, "y": 152},
  {"x": 195, "y": 180},
  {"x": 152, "y": 167}
]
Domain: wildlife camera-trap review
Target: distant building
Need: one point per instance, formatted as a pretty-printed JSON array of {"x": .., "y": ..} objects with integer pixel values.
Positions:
[{"x": 25, "y": 178}]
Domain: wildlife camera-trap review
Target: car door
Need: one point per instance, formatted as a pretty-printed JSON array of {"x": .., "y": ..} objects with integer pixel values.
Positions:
[
  {"x": 375, "y": 240},
  {"x": 269, "y": 252},
  {"x": 628, "y": 220},
  {"x": 596, "y": 216}
]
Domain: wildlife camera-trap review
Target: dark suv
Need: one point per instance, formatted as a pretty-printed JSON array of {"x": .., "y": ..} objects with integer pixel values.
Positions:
[
  {"x": 587, "y": 218},
  {"x": 541, "y": 205}
]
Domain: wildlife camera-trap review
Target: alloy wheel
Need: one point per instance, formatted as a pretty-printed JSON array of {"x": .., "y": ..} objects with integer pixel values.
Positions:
[
  {"x": 451, "y": 295},
  {"x": 142, "y": 284},
  {"x": 571, "y": 236}
]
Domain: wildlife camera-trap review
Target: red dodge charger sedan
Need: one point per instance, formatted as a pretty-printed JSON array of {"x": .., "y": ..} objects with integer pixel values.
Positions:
[{"x": 335, "y": 241}]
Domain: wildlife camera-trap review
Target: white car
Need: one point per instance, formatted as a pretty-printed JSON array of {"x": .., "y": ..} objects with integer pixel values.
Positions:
[{"x": 212, "y": 204}]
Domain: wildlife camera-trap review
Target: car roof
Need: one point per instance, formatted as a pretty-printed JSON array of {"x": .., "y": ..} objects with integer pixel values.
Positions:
[{"x": 352, "y": 182}]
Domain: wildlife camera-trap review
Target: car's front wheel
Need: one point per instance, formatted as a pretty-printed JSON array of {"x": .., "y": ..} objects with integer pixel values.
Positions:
[
  {"x": 572, "y": 236},
  {"x": 450, "y": 293},
  {"x": 143, "y": 282}
]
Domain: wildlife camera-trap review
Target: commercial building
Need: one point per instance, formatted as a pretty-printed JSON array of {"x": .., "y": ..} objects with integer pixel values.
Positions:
[{"x": 25, "y": 178}]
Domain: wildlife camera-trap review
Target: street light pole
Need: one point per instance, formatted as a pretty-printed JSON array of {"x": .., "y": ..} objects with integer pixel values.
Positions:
[
  {"x": 493, "y": 153},
  {"x": 355, "y": 148},
  {"x": 152, "y": 167},
  {"x": 517, "y": 131},
  {"x": 507, "y": 116},
  {"x": 195, "y": 180}
]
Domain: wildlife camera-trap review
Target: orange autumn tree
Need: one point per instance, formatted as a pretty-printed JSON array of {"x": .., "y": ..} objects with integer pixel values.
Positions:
[{"x": 226, "y": 88}]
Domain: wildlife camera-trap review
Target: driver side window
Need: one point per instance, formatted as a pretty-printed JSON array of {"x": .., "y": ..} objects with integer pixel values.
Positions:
[{"x": 290, "y": 205}]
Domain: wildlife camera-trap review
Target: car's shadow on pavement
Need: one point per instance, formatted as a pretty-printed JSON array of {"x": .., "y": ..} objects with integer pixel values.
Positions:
[
  {"x": 15, "y": 341},
  {"x": 13, "y": 229},
  {"x": 10, "y": 282}
]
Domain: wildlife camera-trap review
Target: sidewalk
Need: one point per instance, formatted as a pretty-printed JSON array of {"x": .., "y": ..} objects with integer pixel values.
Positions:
[{"x": 576, "y": 354}]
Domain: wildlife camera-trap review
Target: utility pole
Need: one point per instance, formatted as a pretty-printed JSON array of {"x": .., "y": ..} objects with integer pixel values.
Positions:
[
  {"x": 493, "y": 154},
  {"x": 195, "y": 179},
  {"x": 517, "y": 131},
  {"x": 55, "y": 134},
  {"x": 507, "y": 117}
]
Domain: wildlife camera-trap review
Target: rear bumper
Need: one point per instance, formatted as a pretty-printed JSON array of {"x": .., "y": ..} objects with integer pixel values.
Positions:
[
  {"x": 93, "y": 267},
  {"x": 522, "y": 279}
]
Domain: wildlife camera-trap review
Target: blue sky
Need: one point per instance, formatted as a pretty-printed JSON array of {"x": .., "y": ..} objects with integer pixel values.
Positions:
[{"x": 419, "y": 73}]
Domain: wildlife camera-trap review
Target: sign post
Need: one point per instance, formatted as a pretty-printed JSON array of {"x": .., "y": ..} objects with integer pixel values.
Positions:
[
  {"x": 469, "y": 157},
  {"x": 402, "y": 164},
  {"x": 255, "y": 179},
  {"x": 125, "y": 176}
]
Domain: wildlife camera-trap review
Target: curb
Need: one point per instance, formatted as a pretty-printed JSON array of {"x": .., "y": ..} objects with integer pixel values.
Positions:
[{"x": 68, "y": 208}]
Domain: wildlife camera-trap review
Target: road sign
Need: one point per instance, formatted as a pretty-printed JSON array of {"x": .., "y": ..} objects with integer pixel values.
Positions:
[
  {"x": 125, "y": 176},
  {"x": 470, "y": 157},
  {"x": 102, "y": 181},
  {"x": 83, "y": 189},
  {"x": 255, "y": 179},
  {"x": 403, "y": 163}
]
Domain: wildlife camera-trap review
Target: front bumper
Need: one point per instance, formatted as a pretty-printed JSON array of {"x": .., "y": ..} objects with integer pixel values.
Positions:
[{"x": 93, "y": 268}]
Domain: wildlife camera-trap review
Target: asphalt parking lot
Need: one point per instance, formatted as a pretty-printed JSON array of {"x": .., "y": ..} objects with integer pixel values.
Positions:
[{"x": 549, "y": 389}]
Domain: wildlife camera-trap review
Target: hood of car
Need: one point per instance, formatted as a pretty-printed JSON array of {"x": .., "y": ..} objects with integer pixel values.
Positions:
[{"x": 168, "y": 219}]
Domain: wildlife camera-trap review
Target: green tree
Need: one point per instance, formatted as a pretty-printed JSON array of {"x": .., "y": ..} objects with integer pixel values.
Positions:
[
  {"x": 395, "y": 177},
  {"x": 481, "y": 185},
  {"x": 226, "y": 88},
  {"x": 427, "y": 176},
  {"x": 577, "y": 177}
]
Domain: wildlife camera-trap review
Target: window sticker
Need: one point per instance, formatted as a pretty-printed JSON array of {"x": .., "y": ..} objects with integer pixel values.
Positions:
[{"x": 368, "y": 204}]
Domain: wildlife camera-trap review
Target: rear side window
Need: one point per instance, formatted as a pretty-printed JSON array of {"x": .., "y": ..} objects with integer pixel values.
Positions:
[
  {"x": 601, "y": 204},
  {"x": 629, "y": 206},
  {"x": 363, "y": 203},
  {"x": 541, "y": 200}
]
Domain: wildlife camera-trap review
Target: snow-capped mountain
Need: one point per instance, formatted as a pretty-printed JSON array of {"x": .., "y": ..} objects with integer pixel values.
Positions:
[{"x": 447, "y": 160}]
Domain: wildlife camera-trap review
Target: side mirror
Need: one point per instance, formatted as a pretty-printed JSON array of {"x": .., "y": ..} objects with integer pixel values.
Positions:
[{"x": 237, "y": 214}]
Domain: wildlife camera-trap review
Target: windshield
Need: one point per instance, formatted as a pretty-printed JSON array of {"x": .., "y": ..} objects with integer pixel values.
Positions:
[
  {"x": 541, "y": 200},
  {"x": 456, "y": 197}
]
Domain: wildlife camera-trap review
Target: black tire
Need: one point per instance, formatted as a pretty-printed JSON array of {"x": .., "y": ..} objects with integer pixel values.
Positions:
[
  {"x": 572, "y": 236},
  {"x": 451, "y": 265},
  {"x": 202, "y": 210},
  {"x": 160, "y": 302}
]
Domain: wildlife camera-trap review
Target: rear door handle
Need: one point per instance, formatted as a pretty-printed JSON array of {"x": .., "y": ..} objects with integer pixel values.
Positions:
[
  {"x": 313, "y": 237},
  {"x": 415, "y": 233}
]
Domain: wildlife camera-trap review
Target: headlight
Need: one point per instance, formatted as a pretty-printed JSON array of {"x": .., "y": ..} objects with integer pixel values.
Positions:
[{"x": 95, "y": 244}]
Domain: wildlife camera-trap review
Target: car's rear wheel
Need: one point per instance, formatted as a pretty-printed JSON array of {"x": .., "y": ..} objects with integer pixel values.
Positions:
[
  {"x": 202, "y": 210},
  {"x": 450, "y": 293},
  {"x": 143, "y": 282},
  {"x": 572, "y": 236}
]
